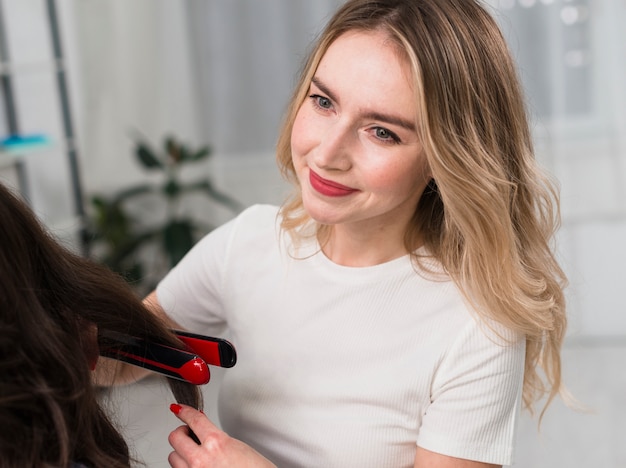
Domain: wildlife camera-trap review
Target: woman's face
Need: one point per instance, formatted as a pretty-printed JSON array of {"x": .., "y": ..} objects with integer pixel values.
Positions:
[{"x": 354, "y": 142}]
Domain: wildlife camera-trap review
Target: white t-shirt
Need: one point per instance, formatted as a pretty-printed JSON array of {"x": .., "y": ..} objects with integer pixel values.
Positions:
[{"x": 341, "y": 366}]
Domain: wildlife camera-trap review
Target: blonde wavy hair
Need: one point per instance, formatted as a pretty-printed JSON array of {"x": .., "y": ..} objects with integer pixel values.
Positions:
[{"x": 489, "y": 214}]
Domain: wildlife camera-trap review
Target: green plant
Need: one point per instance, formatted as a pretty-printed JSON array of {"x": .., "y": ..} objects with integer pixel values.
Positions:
[{"x": 122, "y": 235}]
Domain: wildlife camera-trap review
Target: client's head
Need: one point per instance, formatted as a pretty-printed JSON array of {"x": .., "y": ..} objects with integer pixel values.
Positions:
[{"x": 52, "y": 302}]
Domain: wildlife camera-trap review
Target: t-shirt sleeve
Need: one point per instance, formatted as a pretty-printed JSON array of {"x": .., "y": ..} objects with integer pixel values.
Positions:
[
  {"x": 476, "y": 397},
  {"x": 192, "y": 292}
]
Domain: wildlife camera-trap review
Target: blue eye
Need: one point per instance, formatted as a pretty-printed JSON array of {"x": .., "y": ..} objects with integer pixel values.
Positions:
[
  {"x": 324, "y": 102},
  {"x": 386, "y": 135},
  {"x": 321, "y": 101},
  {"x": 383, "y": 133}
]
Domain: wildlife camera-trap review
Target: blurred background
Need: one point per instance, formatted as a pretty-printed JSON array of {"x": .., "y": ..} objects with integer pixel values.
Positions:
[{"x": 160, "y": 118}]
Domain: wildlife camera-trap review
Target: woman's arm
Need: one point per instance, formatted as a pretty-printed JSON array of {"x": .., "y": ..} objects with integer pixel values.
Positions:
[{"x": 427, "y": 459}]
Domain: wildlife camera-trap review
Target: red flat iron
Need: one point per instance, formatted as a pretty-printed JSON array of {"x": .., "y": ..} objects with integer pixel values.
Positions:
[{"x": 189, "y": 365}]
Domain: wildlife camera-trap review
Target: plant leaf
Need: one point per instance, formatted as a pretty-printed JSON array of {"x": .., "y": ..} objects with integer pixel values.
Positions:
[
  {"x": 178, "y": 239},
  {"x": 202, "y": 153},
  {"x": 133, "y": 274},
  {"x": 172, "y": 188},
  {"x": 110, "y": 222},
  {"x": 173, "y": 149},
  {"x": 133, "y": 192},
  {"x": 147, "y": 157},
  {"x": 131, "y": 243},
  {"x": 184, "y": 155},
  {"x": 170, "y": 145},
  {"x": 207, "y": 187}
]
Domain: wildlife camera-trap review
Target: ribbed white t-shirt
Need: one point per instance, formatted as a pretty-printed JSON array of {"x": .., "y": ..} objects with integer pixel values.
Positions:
[{"x": 341, "y": 366}]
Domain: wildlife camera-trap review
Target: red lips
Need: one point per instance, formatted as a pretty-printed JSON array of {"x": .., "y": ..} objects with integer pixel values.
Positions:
[{"x": 328, "y": 187}]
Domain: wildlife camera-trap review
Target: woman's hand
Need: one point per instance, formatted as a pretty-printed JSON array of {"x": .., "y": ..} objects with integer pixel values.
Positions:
[{"x": 216, "y": 449}]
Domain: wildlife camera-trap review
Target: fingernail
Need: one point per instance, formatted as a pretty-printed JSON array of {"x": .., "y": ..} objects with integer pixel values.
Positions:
[{"x": 174, "y": 408}]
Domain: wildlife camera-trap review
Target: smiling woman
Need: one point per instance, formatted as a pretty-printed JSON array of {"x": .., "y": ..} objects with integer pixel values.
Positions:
[
  {"x": 401, "y": 306},
  {"x": 355, "y": 137}
]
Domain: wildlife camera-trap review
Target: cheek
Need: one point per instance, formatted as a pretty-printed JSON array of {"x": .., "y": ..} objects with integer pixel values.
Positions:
[
  {"x": 301, "y": 135},
  {"x": 398, "y": 178},
  {"x": 417, "y": 178}
]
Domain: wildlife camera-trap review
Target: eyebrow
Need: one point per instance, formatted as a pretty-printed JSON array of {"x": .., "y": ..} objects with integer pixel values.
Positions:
[{"x": 390, "y": 119}]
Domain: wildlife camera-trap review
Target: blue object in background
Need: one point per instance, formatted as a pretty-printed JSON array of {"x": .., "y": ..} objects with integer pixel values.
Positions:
[{"x": 20, "y": 143}]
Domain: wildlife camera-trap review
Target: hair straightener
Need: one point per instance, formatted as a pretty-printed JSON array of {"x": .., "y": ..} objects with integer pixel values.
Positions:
[{"x": 189, "y": 364}]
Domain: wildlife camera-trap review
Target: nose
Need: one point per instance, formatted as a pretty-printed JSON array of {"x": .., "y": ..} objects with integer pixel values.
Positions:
[{"x": 334, "y": 151}]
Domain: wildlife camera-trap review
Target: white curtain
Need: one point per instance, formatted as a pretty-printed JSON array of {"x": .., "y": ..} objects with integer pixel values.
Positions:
[
  {"x": 133, "y": 73},
  {"x": 248, "y": 53}
]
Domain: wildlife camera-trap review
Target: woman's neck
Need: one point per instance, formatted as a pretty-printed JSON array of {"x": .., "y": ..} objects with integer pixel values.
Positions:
[{"x": 354, "y": 248}]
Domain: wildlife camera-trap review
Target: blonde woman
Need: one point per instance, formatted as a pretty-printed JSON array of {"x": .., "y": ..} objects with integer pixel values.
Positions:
[{"x": 402, "y": 306}]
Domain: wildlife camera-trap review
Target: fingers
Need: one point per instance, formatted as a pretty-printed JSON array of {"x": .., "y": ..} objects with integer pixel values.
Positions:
[
  {"x": 196, "y": 420},
  {"x": 188, "y": 452},
  {"x": 179, "y": 439},
  {"x": 186, "y": 439},
  {"x": 217, "y": 449},
  {"x": 176, "y": 461}
]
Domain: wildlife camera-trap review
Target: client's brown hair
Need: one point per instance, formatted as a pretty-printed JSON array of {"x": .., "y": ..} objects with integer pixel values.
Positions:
[{"x": 49, "y": 409}]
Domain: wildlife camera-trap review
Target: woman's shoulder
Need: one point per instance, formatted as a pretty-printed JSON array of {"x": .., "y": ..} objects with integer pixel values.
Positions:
[
  {"x": 260, "y": 211},
  {"x": 258, "y": 216},
  {"x": 256, "y": 225}
]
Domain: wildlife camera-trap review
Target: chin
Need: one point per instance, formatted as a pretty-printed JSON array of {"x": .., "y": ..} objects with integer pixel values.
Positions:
[
  {"x": 322, "y": 215},
  {"x": 322, "y": 210}
]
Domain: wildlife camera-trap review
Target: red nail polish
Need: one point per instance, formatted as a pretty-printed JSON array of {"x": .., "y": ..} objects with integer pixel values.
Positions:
[{"x": 174, "y": 408}]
